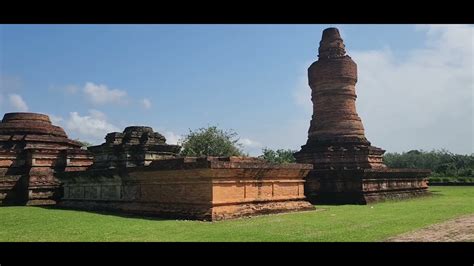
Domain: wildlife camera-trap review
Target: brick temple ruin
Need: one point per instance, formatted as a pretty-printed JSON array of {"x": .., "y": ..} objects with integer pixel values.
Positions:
[
  {"x": 347, "y": 168},
  {"x": 135, "y": 146},
  {"x": 137, "y": 172},
  {"x": 32, "y": 151},
  {"x": 205, "y": 188}
]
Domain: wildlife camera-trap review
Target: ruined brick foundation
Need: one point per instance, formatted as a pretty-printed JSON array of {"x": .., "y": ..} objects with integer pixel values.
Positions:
[
  {"x": 207, "y": 188},
  {"x": 364, "y": 186}
]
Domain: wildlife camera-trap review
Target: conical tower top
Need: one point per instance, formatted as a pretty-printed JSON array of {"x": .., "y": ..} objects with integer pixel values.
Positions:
[{"x": 331, "y": 44}]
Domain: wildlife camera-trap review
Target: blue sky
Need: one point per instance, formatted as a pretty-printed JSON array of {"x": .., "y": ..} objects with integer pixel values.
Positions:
[{"x": 93, "y": 79}]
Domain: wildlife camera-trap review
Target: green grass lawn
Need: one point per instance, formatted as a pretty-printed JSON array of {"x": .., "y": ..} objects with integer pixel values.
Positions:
[{"x": 329, "y": 223}]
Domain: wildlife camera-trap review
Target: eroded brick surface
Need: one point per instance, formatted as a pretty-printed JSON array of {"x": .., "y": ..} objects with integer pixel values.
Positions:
[
  {"x": 32, "y": 151},
  {"x": 135, "y": 146},
  {"x": 206, "y": 188},
  {"x": 347, "y": 168}
]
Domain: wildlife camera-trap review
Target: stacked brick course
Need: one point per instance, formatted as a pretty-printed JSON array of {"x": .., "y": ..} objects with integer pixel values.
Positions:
[
  {"x": 32, "y": 151},
  {"x": 347, "y": 168}
]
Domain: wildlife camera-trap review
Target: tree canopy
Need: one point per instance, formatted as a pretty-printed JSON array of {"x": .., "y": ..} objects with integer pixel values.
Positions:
[
  {"x": 440, "y": 162},
  {"x": 279, "y": 156},
  {"x": 211, "y": 141}
]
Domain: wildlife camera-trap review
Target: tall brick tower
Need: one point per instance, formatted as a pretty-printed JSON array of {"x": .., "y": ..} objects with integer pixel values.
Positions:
[
  {"x": 336, "y": 137},
  {"x": 336, "y": 145}
]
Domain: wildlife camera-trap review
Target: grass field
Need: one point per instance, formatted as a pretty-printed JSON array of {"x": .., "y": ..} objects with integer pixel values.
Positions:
[{"x": 327, "y": 223}]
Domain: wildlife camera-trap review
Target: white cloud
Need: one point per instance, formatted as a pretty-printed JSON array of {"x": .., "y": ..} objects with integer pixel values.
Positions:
[
  {"x": 146, "y": 103},
  {"x": 253, "y": 147},
  {"x": 91, "y": 128},
  {"x": 101, "y": 94},
  {"x": 423, "y": 101},
  {"x": 17, "y": 103},
  {"x": 55, "y": 120},
  {"x": 171, "y": 137},
  {"x": 426, "y": 100},
  {"x": 250, "y": 143}
]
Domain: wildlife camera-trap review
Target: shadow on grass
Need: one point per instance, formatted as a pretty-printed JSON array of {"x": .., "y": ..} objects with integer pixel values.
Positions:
[
  {"x": 319, "y": 206},
  {"x": 111, "y": 213},
  {"x": 430, "y": 194},
  {"x": 173, "y": 218}
]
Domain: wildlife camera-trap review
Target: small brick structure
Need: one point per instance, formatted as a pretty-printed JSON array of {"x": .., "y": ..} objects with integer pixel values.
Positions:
[
  {"x": 32, "y": 151},
  {"x": 347, "y": 168},
  {"x": 135, "y": 146},
  {"x": 204, "y": 188}
]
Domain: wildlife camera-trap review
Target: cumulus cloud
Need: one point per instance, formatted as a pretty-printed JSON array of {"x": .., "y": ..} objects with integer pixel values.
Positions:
[
  {"x": 17, "y": 103},
  {"x": 146, "y": 103},
  {"x": 101, "y": 94},
  {"x": 10, "y": 100},
  {"x": 422, "y": 101},
  {"x": 91, "y": 128},
  {"x": 253, "y": 147},
  {"x": 55, "y": 120},
  {"x": 171, "y": 137},
  {"x": 250, "y": 143},
  {"x": 426, "y": 100}
]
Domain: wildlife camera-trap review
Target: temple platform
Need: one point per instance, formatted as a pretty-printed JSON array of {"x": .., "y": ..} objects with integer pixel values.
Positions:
[{"x": 206, "y": 188}]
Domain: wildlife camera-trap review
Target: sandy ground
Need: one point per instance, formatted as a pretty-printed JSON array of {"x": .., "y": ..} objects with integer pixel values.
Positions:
[{"x": 457, "y": 230}]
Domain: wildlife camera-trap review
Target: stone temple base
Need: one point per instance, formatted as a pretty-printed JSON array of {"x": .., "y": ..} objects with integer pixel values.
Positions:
[
  {"x": 209, "y": 188},
  {"x": 365, "y": 185}
]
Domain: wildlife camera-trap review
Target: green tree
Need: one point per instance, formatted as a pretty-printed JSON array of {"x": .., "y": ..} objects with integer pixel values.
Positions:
[
  {"x": 442, "y": 163},
  {"x": 279, "y": 156},
  {"x": 211, "y": 141}
]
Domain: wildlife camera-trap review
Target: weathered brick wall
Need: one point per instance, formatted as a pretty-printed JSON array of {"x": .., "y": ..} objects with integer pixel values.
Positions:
[
  {"x": 195, "y": 188},
  {"x": 32, "y": 150},
  {"x": 135, "y": 146},
  {"x": 365, "y": 185}
]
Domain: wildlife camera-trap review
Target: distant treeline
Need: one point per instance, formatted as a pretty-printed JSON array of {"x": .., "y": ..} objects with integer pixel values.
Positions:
[{"x": 442, "y": 163}]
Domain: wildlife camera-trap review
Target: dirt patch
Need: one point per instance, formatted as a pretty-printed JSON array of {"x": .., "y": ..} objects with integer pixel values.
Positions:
[{"x": 457, "y": 230}]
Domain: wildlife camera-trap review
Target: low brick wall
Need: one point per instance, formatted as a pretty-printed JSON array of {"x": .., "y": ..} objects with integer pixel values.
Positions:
[
  {"x": 365, "y": 185},
  {"x": 209, "y": 188}
]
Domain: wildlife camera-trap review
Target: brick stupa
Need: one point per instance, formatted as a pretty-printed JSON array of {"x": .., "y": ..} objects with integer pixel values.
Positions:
[
  {"x": 347, "y": 168},
  {"x": 32, "y": 151}
]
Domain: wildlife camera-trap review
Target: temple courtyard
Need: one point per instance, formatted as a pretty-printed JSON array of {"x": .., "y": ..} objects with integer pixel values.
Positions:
[{"x": 430, "y": 218}]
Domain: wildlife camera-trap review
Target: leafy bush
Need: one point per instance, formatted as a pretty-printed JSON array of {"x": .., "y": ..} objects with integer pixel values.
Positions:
[{"x": 211, "y": 141}]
